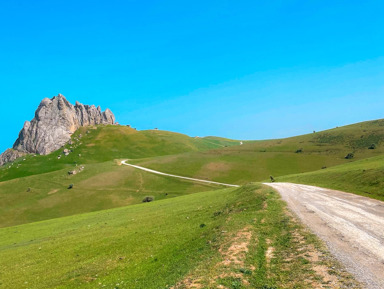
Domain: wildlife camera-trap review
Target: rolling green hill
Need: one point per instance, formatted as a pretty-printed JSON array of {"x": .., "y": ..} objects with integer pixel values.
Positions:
[
  {"x": 256, "y": 161},
  {"x": 36, "y": 188},
  {"x": 364, "y": 177},
  {"x": 105, "y": 143},
  {"x": 169, "y": 244},
  {"x": 60, "y": 230}
]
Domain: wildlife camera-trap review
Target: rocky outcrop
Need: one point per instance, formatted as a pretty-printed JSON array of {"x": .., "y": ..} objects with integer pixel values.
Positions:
[
  {"x": 9, "y": 156},
  {"x": 54, "y": 122}
]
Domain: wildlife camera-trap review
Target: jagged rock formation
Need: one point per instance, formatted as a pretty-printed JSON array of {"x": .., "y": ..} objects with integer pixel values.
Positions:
[
  {"x": 54, "y": 122},
  {"x": 9, "y": 156}
]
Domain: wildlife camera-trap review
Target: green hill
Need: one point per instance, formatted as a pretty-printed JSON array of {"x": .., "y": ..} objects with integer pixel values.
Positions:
[
  {"x": 364, "y": 177},
  {"x": 67, "y": 235},
  {"x": 36, "y": 188},
  {"x": 256, "y": 161},
  {"x": 169, "y": 242},
  {"x": 105, "y": 143}
]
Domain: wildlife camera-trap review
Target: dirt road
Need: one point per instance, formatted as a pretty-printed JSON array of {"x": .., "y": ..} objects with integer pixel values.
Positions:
[
  {"x": 351, "y": 225},
  {"x": 175, "y": 176}
]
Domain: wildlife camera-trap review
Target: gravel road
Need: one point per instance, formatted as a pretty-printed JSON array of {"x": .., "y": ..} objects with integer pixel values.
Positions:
[{"x": 352, "y": 226}]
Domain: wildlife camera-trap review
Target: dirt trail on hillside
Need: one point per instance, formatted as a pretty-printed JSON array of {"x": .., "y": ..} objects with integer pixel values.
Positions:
[
  {"x": 351, "y": 225},
  {"x": 178, "y": 177}
]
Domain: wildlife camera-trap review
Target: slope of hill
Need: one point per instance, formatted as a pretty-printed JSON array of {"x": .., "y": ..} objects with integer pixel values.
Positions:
[
  {"x": 256, "y": 161},
  {"x": 105, "y": 143},
  {"x": 186, "y": 240},
  {"x": 36, "y": 188},
  {"x": 364, "y": 177}
]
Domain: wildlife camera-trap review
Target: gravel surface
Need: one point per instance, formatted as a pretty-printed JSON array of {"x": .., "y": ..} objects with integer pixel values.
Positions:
[{"x": 352, "y": 227}]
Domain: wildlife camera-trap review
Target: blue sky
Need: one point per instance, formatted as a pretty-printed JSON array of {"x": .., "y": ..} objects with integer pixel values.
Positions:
[{"x": 237, "y": 69}]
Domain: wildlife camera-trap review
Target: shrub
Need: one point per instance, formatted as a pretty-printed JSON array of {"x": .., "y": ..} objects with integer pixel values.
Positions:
[
  {"x": 372, "y": 146},
  {"x": 299, "y": 151},
  {"x": 70, "y": 186},
  {"x": 148, "y": 199},
  {"x": 349, "y": 156}
]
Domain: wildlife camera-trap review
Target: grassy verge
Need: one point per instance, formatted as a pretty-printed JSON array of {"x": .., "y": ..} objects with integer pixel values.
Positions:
[
  {"x": 164, "y": 244},
  {"x": 265, "y": 247},
  {"x": 364, "y": 177}
]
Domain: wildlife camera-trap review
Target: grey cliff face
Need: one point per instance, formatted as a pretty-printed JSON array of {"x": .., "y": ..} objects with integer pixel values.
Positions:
[
  {"x": 54, "y": 122},
  {"x": 9, "y": 156}
]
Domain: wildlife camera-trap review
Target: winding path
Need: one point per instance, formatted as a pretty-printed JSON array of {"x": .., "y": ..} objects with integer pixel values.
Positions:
[
  {"x": 175, "y": 176},
  {"x": 351, "y": 225}
]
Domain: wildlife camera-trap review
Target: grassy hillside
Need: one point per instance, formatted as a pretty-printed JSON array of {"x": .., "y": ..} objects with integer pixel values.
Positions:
[
  {"x": 237, "y": 238},
  {"x": 364, "y": 177},
  {"x": 105, "y": 143},
  {"x": 256, "y": 161},
  {"x": 36, "y": 188},
  {"x": 99, "y": 186}
]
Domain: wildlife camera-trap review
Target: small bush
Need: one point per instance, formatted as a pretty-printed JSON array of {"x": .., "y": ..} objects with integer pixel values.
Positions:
[
  {"x": 148, "y": 199},
  {"x": 349, "y": 156},
  {"x": 202, "y": 225},
  {"x": 299, "y": 151},
  {"x": 70, "y": 186},
  {"x": 372, "y": 147}
]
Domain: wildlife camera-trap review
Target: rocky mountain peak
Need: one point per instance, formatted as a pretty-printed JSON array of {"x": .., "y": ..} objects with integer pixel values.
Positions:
[{"x": 55, "y": 121}]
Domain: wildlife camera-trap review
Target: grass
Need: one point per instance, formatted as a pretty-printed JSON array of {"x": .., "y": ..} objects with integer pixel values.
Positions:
[
  {"x": 364, "y": 177},
  {"x": 191, "y": 234},
  {"x": 35, "y": 189},
  {"x": 159, "y": 244},
  {"x": 256, "y": 161},
  {"x": 238, "y": 166},
  {"x": 100, "y": 144},
  {"x": 98, "y": 187}
]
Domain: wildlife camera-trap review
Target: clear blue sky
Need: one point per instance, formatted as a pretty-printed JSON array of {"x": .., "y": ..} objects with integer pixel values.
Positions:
[{"x": 237, "y": 69}]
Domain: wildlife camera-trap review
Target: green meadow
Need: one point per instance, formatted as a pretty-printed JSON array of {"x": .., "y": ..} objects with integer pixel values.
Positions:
[
  {"x": 166, "y": 243},
  {"x": 364, "y": 177},
  {"x": 35, "y": 188},
  {"x": 256, "y": 161},
  {"x": 79, "y": 221}
]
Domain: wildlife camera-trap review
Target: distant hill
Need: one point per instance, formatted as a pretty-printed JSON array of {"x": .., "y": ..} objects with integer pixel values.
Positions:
[{"x": 257, "y": 160}]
